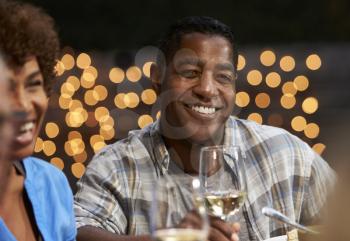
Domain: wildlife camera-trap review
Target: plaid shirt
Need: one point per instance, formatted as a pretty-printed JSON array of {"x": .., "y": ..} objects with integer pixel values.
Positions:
[{"x": 283, "y": 172}]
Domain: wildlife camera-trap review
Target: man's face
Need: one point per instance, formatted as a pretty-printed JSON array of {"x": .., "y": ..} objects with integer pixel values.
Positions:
[{"x": 198, "y": 90}]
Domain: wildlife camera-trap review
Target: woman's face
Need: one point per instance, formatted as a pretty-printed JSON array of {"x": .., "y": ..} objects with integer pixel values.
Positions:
[{"x": 28, "y": 96}]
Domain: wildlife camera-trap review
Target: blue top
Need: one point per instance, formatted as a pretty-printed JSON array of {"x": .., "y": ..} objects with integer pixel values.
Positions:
[{"x": 52, "y": 201}]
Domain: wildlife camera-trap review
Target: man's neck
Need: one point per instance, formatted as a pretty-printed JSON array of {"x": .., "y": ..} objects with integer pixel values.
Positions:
[{"x": 186, "y": 154}]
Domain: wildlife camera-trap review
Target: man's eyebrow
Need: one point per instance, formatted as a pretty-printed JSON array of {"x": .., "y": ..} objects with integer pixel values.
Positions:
[
  {"x": 189, "y": 60},
  {"x": 225, "y": 66}
]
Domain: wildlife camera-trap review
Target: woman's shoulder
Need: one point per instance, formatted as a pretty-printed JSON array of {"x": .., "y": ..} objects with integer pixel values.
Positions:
[{"x": 36, "y": 167}]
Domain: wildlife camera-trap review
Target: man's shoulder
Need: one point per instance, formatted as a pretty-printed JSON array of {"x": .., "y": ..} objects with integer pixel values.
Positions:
[
  {"x": 254, "y": 128},
  {"x": 254, "y": 134},
  {"x": 124, "y": 151}
]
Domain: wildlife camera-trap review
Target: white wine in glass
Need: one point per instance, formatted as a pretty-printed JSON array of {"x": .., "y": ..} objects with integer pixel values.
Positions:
[{"x": 222, "y": 174}]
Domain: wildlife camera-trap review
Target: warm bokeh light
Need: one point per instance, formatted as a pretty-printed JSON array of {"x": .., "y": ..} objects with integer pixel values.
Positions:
[
  {"x": 273, "y": 79},
  {"x": 158, "y": 114},
  {"x": 87, "y": 80},
  {"x": 49, "y": 148},
  {"x": 83, "y": 61},
  {"x": 68, "y": 61},
  {"x": 116, "y": 75},
  {"x": 58, "y": 162},
  {"x": 147, "y": 69},
  {"x": 313, "y": 62},
  {"x": 67, "y": 90},
  {"x": 101, "y": 91},
  {"x": 289, "y": 88},
  {"x": 75, "y": 118},
  {"x": 77, "y": 146},
  {"x": 106, "y": 123},
  {"x": 131, "y": 100},
  {"x": 319, "y": 148},
  {"x": 288, "y": 101},
  {"x": 255, "y": 117},
  {"x": 287, "y": 63},
  {"x": 134, "y": 74},
  {"x": 74, "y": 135},
  {"x": 119, "y": 101},
  {"x": 75, "y": 104},
  {"x": 242, "y": 99},
  {"x": 38, "y": 145},
  {"x": 301, "y": 82},
  {"x": 149, "y": 96},
  {"x": 78, "y": 169},
  {"x": 80, "y": 157},
  {"x": 59, "y": 68},
  {"x": 241, "y": 62},
  {"x": 73, "y": 80},
  {"x": 267, "y": 58},
  {"x": 298, "y": 123},
  {"x": 51, "y": 129},
  {"x": 107, "y": 135},
  {"x": 92, "y": 71},
  {"x": 310, "y": 105},
  {"x": 144, "y": 120},
  {"x": 101, "y": 112},
  {"x": 312, "y": 130},
  {"x": 262, "y": 100},
  {"x": 254, "y": 77},
  {"x": 64, "y": 102},
  {"x": 91, "y": 97},
  {"x": 275, "y": 120}
]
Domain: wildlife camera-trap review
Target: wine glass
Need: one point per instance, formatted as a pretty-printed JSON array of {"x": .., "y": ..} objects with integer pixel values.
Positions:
[
  {"x": 223, "y": 178},
  {"x": 177, "y": 211}
]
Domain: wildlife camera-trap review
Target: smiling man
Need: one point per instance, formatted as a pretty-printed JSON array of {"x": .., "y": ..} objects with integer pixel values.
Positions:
[{"x": 195, "y": 78}]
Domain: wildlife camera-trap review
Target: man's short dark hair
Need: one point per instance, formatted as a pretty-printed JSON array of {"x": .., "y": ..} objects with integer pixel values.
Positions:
[
  {"x": 27, "y": 31},
  {"x": 201, "y": 24}
]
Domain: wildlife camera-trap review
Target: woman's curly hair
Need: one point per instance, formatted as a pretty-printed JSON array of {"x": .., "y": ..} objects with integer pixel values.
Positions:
[{"x": 27, "y": 31}]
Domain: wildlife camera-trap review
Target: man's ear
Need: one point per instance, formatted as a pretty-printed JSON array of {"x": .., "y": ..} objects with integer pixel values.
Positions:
[{"x": 155, "y": 77}]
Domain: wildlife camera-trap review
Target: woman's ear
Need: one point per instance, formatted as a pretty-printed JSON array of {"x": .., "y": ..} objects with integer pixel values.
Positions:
[{"x": 155, "y": 77}]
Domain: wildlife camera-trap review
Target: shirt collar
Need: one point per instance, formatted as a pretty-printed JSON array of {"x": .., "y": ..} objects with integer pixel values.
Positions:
[{"x": 232, "y": 137}]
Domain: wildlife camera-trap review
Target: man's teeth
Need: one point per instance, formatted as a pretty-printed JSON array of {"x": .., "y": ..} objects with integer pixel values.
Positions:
[
  {"x": 26, "y": 127},
  {"x": 204, "y": 110}
]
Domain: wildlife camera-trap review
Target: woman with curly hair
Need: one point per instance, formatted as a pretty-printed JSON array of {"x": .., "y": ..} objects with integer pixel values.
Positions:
[{"x": 36, "y": 202}]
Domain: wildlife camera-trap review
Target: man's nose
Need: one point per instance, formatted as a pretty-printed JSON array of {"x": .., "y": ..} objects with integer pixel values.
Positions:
[{"x": 206, "y": 87}]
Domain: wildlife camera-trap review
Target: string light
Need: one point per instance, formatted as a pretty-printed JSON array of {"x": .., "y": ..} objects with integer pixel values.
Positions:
[
  {"x": 149, "y": 96},
  {"x": 144, "y": 120},
  {"x": 254, "y": 77},
  {"x": 313, "y": 62},
  {"x": 83, "y": 61},
  {"x": 255, "y": 117},
  {"x": 310, "y": 105},
  {"x": 267, "y": 58},
  {"x": 133, "y": 74},
  {"x": 51, "y": 129},
  {"x": 241, "y": 62},
  {"x": 242, "y": 99},
  {"x": 287, "y": 63},
  {"x": 58, "y": 162},
  {"x": 116, "y": 75}
]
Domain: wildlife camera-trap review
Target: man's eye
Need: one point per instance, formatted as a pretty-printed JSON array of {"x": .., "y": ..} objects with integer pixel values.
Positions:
[
  {"x": 189, "y": 73},
  {"x": 225, "y": 78}
]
